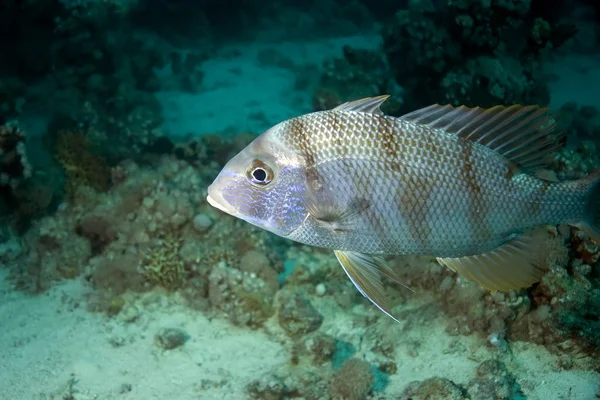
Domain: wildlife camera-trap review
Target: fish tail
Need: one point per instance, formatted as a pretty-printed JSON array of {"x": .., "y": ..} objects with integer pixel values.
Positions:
[{"x": 591, "y": 219}]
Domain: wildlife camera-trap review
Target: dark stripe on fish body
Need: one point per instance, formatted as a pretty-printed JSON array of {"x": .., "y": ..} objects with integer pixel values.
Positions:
[
  {"x": 413, "y": 204},
  {"x": 537, "y": 206},
  {"x": 479, "y": 208},
  {"x": 389, "y": 142},
  {"x": 338, "y": 128},
  {"x": 300, "y": 139}
]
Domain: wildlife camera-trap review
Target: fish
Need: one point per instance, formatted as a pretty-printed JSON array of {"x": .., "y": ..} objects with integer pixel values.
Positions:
[{"x": 465, "y": 185}]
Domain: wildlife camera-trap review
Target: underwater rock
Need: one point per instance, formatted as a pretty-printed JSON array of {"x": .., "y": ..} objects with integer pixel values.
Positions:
[
  {"x": 170, "y": 338},
  {"x": 257, "y": 264},
  {"x": 319, "y": 346},
  {"x": 353, "y": 381},
  {"x": 433, "y": 389},
  {"x": 245, "y": 299},
  {"x": 297, "y": 316},
  {"x": 270, "y": 387},
  {"x": 493, "y": 382},
  {"x": 125, "y": 388}
]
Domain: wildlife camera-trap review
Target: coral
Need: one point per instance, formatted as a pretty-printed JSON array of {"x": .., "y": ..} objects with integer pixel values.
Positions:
[
  {"x": 267, "y": 388},
  {"x": 81, "y": 165},
  {"x": 580, "y": 157},
  {"x": 162, "y": 265},
  {"x": 117, "y": 275},
  {"x": 417, "y": 44},
  {"x": 86, "y": 64},
  {"x": 24, "y": 194},
  {"x": 14, "y": 165},
  {"x": 245, "y": 299},
  {"x": 53, "y": 252},
  {"x": 359, "y": 73},
  {"x": 577, "y": 162},
  {"x": 465, "y": 53},
  {"x": 297, "y": 316},
  {"x": 318, "y": 346},
  {"x": 488, "y": 81},
  {"x": 257, "y": 264},
  {"x": 353, "y": 381},
  {"x": 433, "y": 389},
  {"x": 493, "y": 382},
  {"x": 202, "y": 223}
]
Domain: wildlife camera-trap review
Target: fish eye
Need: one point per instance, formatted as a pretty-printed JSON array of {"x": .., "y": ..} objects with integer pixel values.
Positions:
[{"x": 259, "y": 173}]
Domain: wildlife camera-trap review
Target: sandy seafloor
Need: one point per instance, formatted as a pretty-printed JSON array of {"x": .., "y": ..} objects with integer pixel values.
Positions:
[{"x": 52, "y": 346}]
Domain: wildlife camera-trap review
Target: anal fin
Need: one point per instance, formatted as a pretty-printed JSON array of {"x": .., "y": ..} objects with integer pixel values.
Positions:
[
  {"x": 365, "y": 272},
  {"x": 512, "y": 266}
]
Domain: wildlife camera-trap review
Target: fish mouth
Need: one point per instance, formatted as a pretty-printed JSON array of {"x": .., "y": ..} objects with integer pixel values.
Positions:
[{"x": 216, "y": 200}]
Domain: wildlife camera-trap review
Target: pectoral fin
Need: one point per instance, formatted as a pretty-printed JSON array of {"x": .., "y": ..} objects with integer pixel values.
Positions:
[
  {"x": 514, "y": 265},
  {"x": 336, "y": 218},
  {"x": 365, "y": 272}
]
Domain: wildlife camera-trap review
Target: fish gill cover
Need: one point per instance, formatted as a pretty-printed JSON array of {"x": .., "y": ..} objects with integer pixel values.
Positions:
[{"x": 119, "y": 280}]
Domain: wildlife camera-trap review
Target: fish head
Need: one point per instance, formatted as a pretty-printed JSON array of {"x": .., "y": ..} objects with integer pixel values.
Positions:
[{"x": 263, "y": 185}]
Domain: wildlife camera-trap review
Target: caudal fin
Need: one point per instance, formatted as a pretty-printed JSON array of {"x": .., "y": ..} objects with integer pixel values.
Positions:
[{"x": 591, "y": 222}]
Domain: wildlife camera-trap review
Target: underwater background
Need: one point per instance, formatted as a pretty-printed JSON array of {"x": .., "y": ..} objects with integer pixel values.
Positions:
[{"x": 119, "y": 281}]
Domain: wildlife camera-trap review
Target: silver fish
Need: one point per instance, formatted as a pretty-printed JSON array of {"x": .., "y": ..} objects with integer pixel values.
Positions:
[{"x": 460, "y": 184}]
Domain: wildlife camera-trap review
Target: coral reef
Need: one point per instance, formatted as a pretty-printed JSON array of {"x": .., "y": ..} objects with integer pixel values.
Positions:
[
  {"x": 81, "y": 166},
  {"x": 14, "y": 165},
  {"x": 359, "y": 73},
  {"x": 462, "y": 52},
  {"x": 353, "y": 381},
  {"x": 85, "y": 68}
]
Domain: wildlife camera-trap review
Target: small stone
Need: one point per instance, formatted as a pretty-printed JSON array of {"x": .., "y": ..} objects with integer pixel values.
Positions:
[
  {"x": 125, "y": 388},
  {"x": 202, "y": 223},
  {"x": 320, "y": 290},
  {"x": 117, "y": 341},
  {"x": 170, "y": 338}
]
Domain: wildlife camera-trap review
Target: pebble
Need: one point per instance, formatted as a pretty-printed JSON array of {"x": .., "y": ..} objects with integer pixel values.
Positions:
[
  {"x": 125, "y": 388},
  {"x": 320, "y": 290}
]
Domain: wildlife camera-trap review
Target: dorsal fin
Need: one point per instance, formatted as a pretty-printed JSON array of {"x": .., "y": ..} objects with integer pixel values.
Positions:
[
  {"x": 368, "y": 105},
  {"x": 524, "y": 135}
]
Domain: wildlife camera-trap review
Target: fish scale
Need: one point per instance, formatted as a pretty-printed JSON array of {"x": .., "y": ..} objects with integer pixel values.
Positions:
[
  {"x": 421, "y": 202},
  {"x": 455, "y": 183}
]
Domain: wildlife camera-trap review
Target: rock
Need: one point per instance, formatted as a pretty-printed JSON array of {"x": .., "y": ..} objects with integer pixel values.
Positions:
[
  {"x": 297, "y": 316},
  {"x": 170, "y": 338}
]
